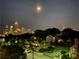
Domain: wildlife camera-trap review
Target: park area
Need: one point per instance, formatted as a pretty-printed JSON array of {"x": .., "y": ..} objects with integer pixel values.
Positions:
[{"x": 52, "y": 54}]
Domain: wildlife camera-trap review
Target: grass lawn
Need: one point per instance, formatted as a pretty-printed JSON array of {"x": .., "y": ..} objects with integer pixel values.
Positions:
[{"x": 55, "y": 54}]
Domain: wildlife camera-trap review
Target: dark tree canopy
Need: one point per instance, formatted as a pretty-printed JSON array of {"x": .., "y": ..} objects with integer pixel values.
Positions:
[{"x": 52, "y": 31}]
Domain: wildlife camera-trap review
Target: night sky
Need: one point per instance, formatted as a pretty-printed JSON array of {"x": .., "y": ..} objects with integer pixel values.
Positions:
[{"x": 54, "y": 13}]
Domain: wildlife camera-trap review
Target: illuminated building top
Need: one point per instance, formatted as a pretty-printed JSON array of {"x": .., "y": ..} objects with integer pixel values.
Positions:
[{"x": 15, "y": 29}]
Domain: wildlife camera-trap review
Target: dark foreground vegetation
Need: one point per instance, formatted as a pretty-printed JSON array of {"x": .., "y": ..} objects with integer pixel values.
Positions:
[{"x": 41, "y": 41}]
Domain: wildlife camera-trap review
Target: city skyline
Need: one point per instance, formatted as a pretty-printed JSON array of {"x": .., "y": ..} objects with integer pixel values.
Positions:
[
  {"x": 40, "y": 14},
  {"x": 14, "y": 29}
]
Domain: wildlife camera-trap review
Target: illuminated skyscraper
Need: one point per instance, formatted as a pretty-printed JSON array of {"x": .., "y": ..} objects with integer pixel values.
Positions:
[
  {"x": 23, "y": 30},
  {"x": 16, "y": 25},
  {"x": 17, "y": 29},
  {"x": 11, "y": 30},
  {"x": 6, "y": 30}
]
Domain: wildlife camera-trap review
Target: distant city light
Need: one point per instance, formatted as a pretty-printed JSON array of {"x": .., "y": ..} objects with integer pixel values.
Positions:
[
  {"x": 64, "y": 27},
  {"x": 11, "y": 26}
]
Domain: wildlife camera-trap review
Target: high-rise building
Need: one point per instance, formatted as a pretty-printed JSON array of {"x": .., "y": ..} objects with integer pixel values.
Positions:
[
  {"x": 23, "y": 30},
  {"x": 16, "y": 25},
  {"x": 11, "y": 30},
  {"x": 6, "y": 30}
]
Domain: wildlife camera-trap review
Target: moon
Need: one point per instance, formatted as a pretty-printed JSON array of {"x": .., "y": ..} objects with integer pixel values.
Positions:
[{"x": 39, "y": 8}]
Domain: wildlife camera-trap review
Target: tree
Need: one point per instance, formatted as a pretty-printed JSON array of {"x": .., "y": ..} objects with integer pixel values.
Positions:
[
  {"x": 68, "y": 35},
  {"x": 26, "y": 36},
  {"x": 11, "y": 52},
  {"x": 52, "y": 31},
  {"x": 10, "y": 38},
  {"x": 77, "y": 35},
  {"x": 40, "y": 34},
  {"x": 64, "y": 56}
]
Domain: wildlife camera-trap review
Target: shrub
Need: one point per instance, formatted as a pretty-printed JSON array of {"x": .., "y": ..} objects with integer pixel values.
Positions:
[
  {"x": 42, "y": 50},
  {"x": 46, "y": 49}
]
